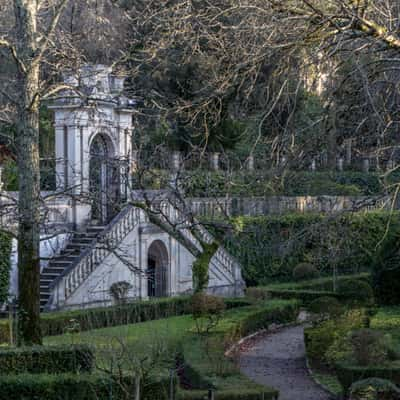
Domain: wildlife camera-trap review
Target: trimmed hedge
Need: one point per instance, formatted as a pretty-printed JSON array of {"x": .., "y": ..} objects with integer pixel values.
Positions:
[
  {"x": 262, "y": 318},
  {"x": 243, "y": 394},
  {"x": 47, "y": 359},
  {"x": 58, "y": 323},
  {"x": 5, "y": 265},
  {"x": 348, "y": 374},
  {"x": 270, "y": 247},
  {"x": 305, "y": 296},
  {"x": 77, "y": 387}
]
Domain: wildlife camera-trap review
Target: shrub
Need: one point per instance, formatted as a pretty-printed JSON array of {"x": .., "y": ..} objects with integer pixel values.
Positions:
[
  {"x": 323, "y": 341},
  {"x": 356, "y": 292},
  {"x": 78, "y": 387},
  {"x": 374, "y": 389},
  {"x": 207, "y": 311},
  {"x": 326, "y": 306},
  {"x": 58, "y": 323},
  {"x": 261, "y": 319},
  {"x": 47, "y": 359},
  {"x": 348, "y": 374},
  {"x": 233, "y": 394},
  {"x": 305, "y": 296},
  {"x": 304, "y": 271},
  {"x": 370, "y": 347},
  {"x": 261, "y": 243}
]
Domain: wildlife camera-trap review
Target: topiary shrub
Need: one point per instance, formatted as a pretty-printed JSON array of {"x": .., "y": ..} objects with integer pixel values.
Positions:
[
  {"x": 374, "y": 389},
  {"x": 207, "y": 311},
  {"x": 326, "y": 306},
  {"x": 356, "y": 292},
  {"x": 304, "y": 271}
]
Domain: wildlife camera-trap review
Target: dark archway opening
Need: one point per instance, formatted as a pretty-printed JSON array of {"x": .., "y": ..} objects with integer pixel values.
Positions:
[
  {"x": 157, "y": 270},
  {"x": 104, "y": 180}
]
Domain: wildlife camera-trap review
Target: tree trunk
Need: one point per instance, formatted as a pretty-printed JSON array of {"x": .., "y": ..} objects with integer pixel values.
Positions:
[{"x": 27, "y": 148}]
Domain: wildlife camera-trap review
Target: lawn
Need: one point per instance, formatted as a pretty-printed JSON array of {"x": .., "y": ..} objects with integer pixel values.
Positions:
[{"x": 124, "y": 346}]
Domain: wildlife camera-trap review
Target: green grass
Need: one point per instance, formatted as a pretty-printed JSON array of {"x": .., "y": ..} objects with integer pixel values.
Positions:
[{"x": 139, "y": 341}]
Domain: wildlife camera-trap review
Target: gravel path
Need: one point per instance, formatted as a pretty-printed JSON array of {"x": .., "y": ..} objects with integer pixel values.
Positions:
[{"x": 278, "y": 360}]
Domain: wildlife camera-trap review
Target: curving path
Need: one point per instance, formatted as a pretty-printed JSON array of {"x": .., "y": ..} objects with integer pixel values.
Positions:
[{"x": 278, "y": 360}]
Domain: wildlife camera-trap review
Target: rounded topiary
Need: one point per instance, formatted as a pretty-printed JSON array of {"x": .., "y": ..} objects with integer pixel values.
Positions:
[
  {"x": 305, "y": 271},
  {"x": 356, "y": 292},
  {"x": 374, "y": 389},
  {"x": 326, "y": 305}
]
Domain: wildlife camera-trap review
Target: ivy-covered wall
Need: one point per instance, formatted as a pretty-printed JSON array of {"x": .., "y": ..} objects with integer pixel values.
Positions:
[
  {"x": 5, "y": 265},
  {"x": 269, "y": 247}
]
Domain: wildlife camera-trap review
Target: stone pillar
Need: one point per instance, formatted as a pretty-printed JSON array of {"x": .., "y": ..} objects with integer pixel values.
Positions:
[
  {"x": 250, "y": 163},
  {"x": 324, "y": 158},
  {"x": 176, "y": 161},
  {"x": 390, "y": 165},
  {"x": 347, "y": 144},
  {"x": 214, "y": 161},
  {"x": 1, "y": 178},
  {"x": 134, "y": 161},
  {"x": 340, "y": 164},
  {"x": 365, "y": 165},
  {"x": 313, "y": 165}
]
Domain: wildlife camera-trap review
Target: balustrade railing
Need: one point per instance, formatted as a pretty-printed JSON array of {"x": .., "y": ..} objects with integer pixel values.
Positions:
[
  {"x": 106, "y": 242},
  {"x": 221, "y": 257}
]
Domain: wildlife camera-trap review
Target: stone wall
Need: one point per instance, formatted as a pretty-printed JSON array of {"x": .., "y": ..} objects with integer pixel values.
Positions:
[{"x": 211, "y": 207}]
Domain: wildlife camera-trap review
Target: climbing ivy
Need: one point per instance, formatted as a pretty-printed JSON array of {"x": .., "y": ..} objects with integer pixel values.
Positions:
[
  {"x": 5, "y": 265},
  {"x": 200, "y": 266}
]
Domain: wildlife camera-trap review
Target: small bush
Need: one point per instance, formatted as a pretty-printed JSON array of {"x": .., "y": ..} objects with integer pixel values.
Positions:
[
  {"x": 207, "y": 311},
  {"x": 257, "y": 293},
  {"x": 324, "y": 341},
  {"x": 326, "y": 306},
  {"x": 356, "y": 292},
  {"x": 374, "y": 389},
  {"x": 304, "y": 271},
  {"x": 348, "y": 374},
  {"x": 370, "y": 347},
  {"x": 47, "y": 359}
]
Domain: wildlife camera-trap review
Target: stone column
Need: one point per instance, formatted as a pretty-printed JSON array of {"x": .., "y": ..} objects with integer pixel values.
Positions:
[
  {"x": 390, "y": 165},
  {"x": 365, "y": 165},
  {"x": 313, "y": 165},
  {"x": 250, "y": 163},
  {"x": 340, "y": 164},
  {"x": 176, "y": 161},
  {"x": 324, "y": 158},
  {"x": 347, "y": 144},
  {"x": 214, "y": 161}
]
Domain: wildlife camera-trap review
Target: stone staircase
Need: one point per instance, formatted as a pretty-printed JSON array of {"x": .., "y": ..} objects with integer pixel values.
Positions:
[{"x": 57, "y": 266}]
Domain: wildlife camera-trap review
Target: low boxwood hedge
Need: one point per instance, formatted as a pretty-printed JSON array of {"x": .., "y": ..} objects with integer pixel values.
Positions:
[
  {"x": 305, "y": 296},
  {"x": 58, "y": 323},
  {"x": 348, "y": 374},
  {"x": 47, "y": 359},
  {"x": 262, "y": 318},
  {"x": 243, "y": 394},
  {"x": 78, "y": 387}
]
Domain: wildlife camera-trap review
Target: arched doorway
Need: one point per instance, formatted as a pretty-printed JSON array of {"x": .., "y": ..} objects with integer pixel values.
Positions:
[
  {"x": 157, "y": 269},
  {"x": 104, "y": 180}
]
